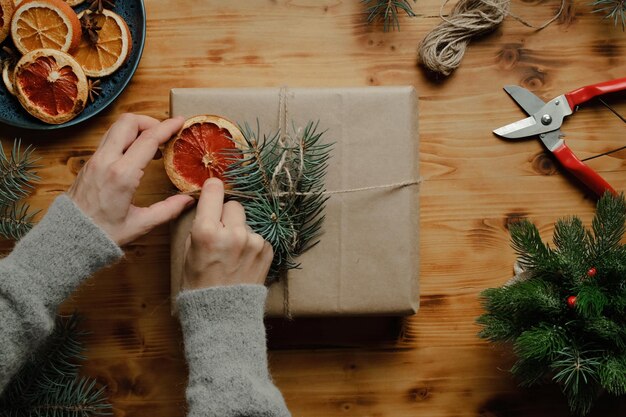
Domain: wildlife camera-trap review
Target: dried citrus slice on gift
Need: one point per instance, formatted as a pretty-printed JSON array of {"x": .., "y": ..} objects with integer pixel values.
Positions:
[
  {"x": 50, "y": 24},
  {"x": 105, "y": 44},
  {"x": 6, "y": 12},
  {"x": 197, "y": 152},
  {"x": 51, "y": 85}
]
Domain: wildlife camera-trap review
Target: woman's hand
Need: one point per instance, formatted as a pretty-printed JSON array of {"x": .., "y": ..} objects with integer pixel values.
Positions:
[
  {"x": 105, "y": 187},
  {"x": 221, "y": 249}
]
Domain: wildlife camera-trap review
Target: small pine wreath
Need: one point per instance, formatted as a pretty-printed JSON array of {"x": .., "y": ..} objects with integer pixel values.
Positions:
[{"x": 566, "y": 317}]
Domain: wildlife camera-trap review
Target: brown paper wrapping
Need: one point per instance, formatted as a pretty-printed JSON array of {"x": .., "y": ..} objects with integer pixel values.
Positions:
[{"x": 367, "y": 262}]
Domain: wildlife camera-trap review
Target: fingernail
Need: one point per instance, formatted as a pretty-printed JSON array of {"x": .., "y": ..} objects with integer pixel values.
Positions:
[
  {"x": 212, "y": 181},
  {"x": 190, "y": 203}
]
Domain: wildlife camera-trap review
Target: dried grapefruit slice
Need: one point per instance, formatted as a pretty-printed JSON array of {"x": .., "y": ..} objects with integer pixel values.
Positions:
[
  {"x": 6, "y": 12},
  {"x": 49, "y": 24},
  {"x": 51, "y": 85},
  {"x": 196, "y": 153},
  {"x": 8, "y": 76},
  {"x": 104, "y": 55}
]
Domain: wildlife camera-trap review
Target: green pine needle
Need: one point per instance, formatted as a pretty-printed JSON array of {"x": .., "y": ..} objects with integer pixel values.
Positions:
[
  {"x": 612, "y": 9},
  {"x": 16, "y": 178},
  {"x": 527, "y": 243},
  {"x": 285, "y": 206},
  {"x": 16, "y": 173},
  {"x": 49, "y": 384},
  {"x": 567, "y": 319},
  {"x": 540, "y": 343},
  {"x": 611, "y": 372},
  {"x": 388, "y": 12},
  {"x": 15, "y": 220},
  {"x": 577, "y": 373}
]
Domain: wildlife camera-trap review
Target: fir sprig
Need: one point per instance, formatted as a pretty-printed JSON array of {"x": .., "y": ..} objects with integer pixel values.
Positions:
[
  {"x": 281, "y": 186},
  {"x": 16, "y": 182},
  {"x": 581, "y": 346},
  {"x": 387, "y": 11},
  {"x": 17, "y": 173},
  {"x": 49, "y": 384},
  {"x": 612, "y": 9},
  {"x": 15, "y": 220}
]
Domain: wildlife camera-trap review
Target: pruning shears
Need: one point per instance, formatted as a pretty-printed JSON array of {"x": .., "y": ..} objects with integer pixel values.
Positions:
[{"x": 545, "y": 120}]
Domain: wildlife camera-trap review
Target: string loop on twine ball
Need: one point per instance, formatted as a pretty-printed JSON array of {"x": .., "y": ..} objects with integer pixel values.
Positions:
[{"x": 443, "y": 48}]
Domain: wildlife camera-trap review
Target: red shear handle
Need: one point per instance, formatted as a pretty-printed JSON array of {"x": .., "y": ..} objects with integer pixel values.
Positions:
[
  {"x": 586, "y": 175},
  {"x": 583, "y": 94}
]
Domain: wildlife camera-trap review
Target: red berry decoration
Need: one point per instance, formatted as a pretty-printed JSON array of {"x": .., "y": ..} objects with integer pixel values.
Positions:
[
  {"x": 592, "y": 272},
  {"x": 571, "y": 301}
]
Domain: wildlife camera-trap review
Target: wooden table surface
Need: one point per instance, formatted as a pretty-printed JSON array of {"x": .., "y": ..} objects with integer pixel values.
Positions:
[{"x": 432, "y": 364}]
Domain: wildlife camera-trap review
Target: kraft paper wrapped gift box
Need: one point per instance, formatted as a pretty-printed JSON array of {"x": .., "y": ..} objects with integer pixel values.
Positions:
[{"x": 367, "y": 261}]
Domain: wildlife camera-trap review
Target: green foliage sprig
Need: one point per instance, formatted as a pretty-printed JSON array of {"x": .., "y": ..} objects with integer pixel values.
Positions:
[
  {"x": 612, "y": 9},
  {"x": 281, "y": 186},
  {"x": 16, "y": 178},
  {"x": 49, "y": 383},
  {"x": 387, "y": 11},
  {"x": 567, "y": 320}
]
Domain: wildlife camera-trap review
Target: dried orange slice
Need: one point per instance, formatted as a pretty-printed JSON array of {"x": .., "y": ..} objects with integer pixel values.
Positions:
[
  {"x": 103, "y": 56},
  {"x": 72, "y": 3},
  {"x": 196, "y": 153},
  {"x": 51, "y": 85},
  {"x": 6, "y": 12},
  {"x": 49, "y": 24},
  {"x": 8, "y": 76}
]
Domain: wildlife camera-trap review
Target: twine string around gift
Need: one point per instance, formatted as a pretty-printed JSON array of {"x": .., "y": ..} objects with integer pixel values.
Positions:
[
  {"x": 283, "y": 183},
  {"x": 443, "y": 48}
]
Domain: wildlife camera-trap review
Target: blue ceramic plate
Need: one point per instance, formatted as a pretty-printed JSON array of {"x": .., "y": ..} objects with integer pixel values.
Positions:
[{"x": 134, "y": 13}]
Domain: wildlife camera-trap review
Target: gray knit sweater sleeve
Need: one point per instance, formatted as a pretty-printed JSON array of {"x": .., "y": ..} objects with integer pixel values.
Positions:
[
  {"x": 225, "y": 347},
  {"x": 44, "y": 268},
  {"x": 223, "y": 327}
]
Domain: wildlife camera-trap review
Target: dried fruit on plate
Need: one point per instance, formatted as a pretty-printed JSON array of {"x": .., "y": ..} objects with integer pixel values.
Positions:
[
  {"x": 8, "y": 76},
  {"x": 50, "y": 24},
  {"x": 196, "y": 153},
  {"x": 105, "y": 43},
  {"x": 8, "y": 66},
  {"x": 51, "y": 85},
  {"x": 6, "y": 11}
]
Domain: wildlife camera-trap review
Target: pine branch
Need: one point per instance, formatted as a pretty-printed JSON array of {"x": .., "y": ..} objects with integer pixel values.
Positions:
[
  {"x": 608, "y": 224},
  {"x": 608, "y": 332},
  {"x": 49, "y": 385},
  {"x": 577, "y": 372},
  {"x": 541, "y": 343},
  {"x": 612, "y": 374},
  {"x": 387, "y": 11},
  {"x": 590, "y": 301},
  {"x": 75, "y": 398},
  {"x": 281, "y": 188},
  {"x": 523, "y": 301},
  {"x": 497, "y": 328},
  {"x": 612, "y": 9},
  {"x": 527, "y": 243},
  {"x": 15, "y": 220},
  {"x": 16, "y": 173},
  {"x": 572, "y": 244}
]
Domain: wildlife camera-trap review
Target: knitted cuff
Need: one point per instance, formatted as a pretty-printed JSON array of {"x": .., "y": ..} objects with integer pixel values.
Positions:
[{"x": 238, "y": 302}]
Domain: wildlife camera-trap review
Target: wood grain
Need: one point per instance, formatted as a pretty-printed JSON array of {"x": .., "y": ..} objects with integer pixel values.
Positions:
[{"x": 474, "y": 185}]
